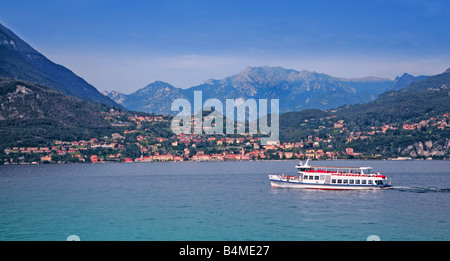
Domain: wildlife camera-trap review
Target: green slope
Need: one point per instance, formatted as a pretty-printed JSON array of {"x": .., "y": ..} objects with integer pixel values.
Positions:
[{"x": 32, "y": 114}]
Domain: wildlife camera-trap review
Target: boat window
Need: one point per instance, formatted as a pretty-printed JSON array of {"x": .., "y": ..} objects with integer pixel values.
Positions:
[
  {"x": 339, "y": 181},
  {"x": 351, "y": 181},
  {"x": 357, "y": 181},
  {"x": 311, "y": 177},
  {"x": 333, "y": 181},
  {"x": 363, "y": 181},
  {"x": 345, "y": 181},
  {"x": 370, "y": 181},
  {"x": 305, "y": 177},
  {"x": 379, "y": 182},
  {"x": 316, "y": 177}
]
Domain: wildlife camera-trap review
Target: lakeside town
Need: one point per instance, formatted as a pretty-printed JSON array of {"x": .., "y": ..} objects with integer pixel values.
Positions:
[{"x": 137, "y": 142}]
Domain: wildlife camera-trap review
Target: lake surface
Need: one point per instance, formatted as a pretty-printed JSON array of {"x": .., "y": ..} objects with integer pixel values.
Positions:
[{"x": 218, "y": 201}]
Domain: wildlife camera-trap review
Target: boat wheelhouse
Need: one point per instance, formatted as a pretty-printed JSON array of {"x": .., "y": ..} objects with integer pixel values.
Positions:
[{"x": 332, "y": 178}]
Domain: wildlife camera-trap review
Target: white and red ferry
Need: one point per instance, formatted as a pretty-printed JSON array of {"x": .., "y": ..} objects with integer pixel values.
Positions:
[{"x": 331, "y": 178}]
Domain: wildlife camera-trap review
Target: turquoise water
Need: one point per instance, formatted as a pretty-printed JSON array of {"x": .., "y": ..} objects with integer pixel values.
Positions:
[{"x": 218, "y": 201}]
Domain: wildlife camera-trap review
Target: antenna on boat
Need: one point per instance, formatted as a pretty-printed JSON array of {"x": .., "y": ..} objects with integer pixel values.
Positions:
[{"x": 306, "y": 163}]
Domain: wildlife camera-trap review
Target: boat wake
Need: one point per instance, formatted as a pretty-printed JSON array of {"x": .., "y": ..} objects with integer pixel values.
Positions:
[{"x": 421, "y": 189}]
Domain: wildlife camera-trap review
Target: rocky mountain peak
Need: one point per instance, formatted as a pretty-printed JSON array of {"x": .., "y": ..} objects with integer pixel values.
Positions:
[
  {"x": 156, "y": 87},
  {"x": 401, "y": 82}
]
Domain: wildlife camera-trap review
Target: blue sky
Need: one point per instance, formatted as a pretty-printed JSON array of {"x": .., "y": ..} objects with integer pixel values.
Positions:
[{"x": 124, "y": 45}]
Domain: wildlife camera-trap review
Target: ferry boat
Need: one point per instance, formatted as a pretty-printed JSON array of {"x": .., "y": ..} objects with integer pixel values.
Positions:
[{"x": 331, "y": 178}]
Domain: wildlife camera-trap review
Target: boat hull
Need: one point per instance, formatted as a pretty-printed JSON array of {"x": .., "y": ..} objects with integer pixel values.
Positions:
[{"x": 296, "y": 184}]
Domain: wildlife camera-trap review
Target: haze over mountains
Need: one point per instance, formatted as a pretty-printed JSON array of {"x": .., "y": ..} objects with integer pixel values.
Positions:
[
  {"x": 430, "y": 96},
  {"x": 296, "y": 90}
]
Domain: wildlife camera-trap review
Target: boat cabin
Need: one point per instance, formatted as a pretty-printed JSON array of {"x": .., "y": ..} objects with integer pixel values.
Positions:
[{"x": 338, "y": 175}]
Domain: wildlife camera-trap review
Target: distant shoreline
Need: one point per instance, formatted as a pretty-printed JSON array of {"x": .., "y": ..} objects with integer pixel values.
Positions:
[{"x": 195, "y": 161}]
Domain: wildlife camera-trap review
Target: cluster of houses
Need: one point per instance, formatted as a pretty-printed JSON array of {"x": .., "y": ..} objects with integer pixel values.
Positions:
[
  {"x": 73, "y": 149},
  {"x": 248, "y": 149},
  {"x": 191, "y": 147},
  {"x": 226, "y": 156},
  {"x": 441, "y": 122}
]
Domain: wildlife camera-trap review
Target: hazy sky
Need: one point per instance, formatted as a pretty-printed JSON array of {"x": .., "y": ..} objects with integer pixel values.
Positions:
[{"x": 125, "y": 45}]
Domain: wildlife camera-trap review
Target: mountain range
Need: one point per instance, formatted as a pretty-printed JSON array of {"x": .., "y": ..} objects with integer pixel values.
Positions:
[
  {"x": 18, "y": 60},
  {"x": 296, "y": 90}
]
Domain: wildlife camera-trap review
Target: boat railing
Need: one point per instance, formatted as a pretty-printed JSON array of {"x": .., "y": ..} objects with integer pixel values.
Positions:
[{"x": 343, "y": 173}]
